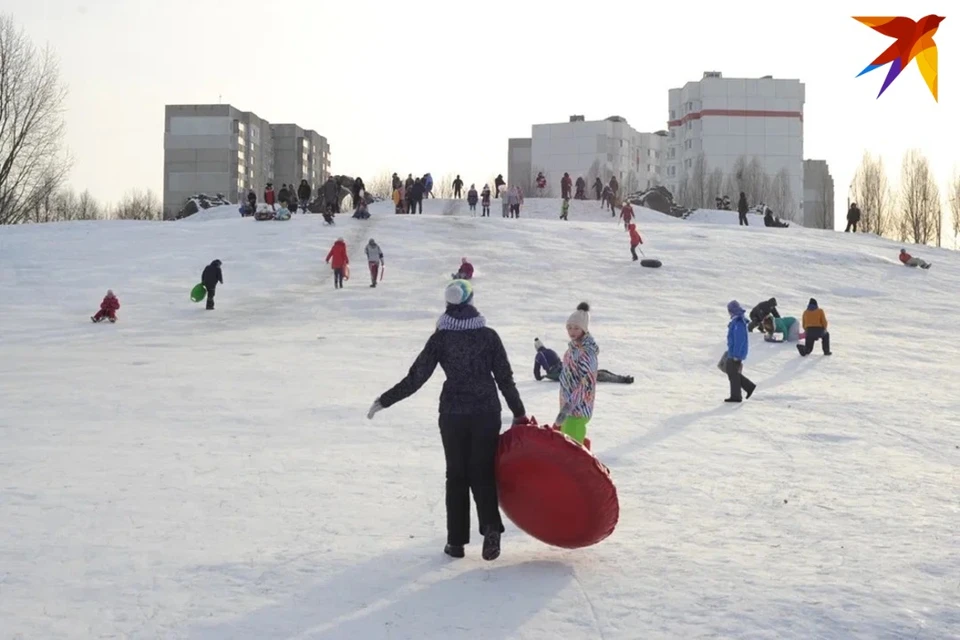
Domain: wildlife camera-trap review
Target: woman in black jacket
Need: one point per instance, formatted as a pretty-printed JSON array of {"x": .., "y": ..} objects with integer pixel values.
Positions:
[{"x": 475, "y": 363}]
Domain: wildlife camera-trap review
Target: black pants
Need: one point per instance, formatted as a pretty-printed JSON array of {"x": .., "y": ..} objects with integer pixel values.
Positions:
[
  {"x": 486, "y": 211},
  {"x": 338, "y": 278},
  {"x": 738, "y": 382},
  {"x": 633, "y": 251},
  {"x": 414, "y": 204},
  {"x": 470, "y": 448},
  {"x": 814, "y": 334},
  {"x": 851, "y": 226},
  {"x": 755, "y": 320},
  {"x": 211, "y": 292},
  {"x": 743, "y": 220},
  {"x": 456, "y": 193},
  {"x": 603, "y": 375}
]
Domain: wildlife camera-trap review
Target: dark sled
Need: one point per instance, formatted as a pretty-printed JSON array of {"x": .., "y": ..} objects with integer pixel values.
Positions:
[{"x": 650, "y": 263}]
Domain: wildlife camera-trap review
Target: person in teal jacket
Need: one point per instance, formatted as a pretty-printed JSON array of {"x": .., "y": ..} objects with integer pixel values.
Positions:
[{"x": 788, "y": 327}]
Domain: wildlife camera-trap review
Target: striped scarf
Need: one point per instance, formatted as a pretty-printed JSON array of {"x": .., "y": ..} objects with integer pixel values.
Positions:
[{"x": 462, "y": 318}]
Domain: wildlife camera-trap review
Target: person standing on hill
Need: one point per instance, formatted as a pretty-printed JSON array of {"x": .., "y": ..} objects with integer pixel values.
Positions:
[
  {"x": 473, "y": 198},
  {"x": 853, "y": 218},
  {"x": 627, "y": 215},
  {"x": 742, "y": 209},
  {"x": 578, "y": 376},
  {"x": 498, "y": 184},
  {"x": 815, "y": 328},
  {"x": 485, "y": 201},
  {"x": 566, "y": 185},
  {"x": 738, "y": 347},
  {"x": 338, "y": 261},
  {"x": 581, "y": 188},
  {"x": 457, "y": 187},
  {"x": 283, "y": 195},
  {"x": 357, "y": 191},
  {"x": 331, "y": 195},
  {"x": 598, "y": 187},
  {"x": 476, "y": 364},
  {"x": 409, "y": 182},
  {"x": 428, "y": 186},
  {"x": 565, "y": 209},
  {"x": 615, "y": 187},
  {"x": 304, "y": 191},
  {"x": 212, "y": 276},
  {"x": 374, "y": 260},
  {"x": 415, "y": 197},
  {"x": 269, "y": 196}
]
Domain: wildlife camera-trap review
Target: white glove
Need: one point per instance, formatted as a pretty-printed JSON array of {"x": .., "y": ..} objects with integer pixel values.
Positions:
[{"x": 374, "y": 408}]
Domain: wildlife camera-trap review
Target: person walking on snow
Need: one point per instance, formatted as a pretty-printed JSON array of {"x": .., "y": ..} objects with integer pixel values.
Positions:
[
  {"x": 909, "y": 261},
  {"x": 465, "y": 272},
  {"x": 581, "y": 193},
  {"x": 283, "y": 195},
  {"x": 853, "y": 218},
  {"x": 476, "y": 364},
  {"x": 541, "y": 183},
  {"x": 212, "y": 276},
  {"x": 428, "y": 186},
  {"x": 338, "y": 261},
  {"x": 457, "y": 186},
  {"x": 742, "y": 208},
  {"x": 738, "y": 347},
  {"x": 635, "y": 240},
  {"x": 485, "y": 201},
  {"x": 578, "y": 377},
  {"x": 374, "y": 260},
  {"x": 598, "y": 187},
  {"x": 815, "y": 328},
  {"x": 565, "y": 209},
  {"x": 472, "y": 198},
  {"x": 566, "y": 184},
  {"x": 627, "y": 215},
  {"x": 108, "y": 308}
]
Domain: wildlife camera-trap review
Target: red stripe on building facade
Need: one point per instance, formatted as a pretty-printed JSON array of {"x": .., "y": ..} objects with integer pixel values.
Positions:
[{"x": 735, "y": 113}]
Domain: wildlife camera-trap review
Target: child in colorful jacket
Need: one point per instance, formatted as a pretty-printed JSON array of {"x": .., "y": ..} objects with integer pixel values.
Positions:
[
  {"x": 635, "y": 240},
  {"x": 485, "y": 201},
  {"x": 108, "y": 308},
  {"x": 565, "y": 209},
  {"x": 578, "y": 378}
]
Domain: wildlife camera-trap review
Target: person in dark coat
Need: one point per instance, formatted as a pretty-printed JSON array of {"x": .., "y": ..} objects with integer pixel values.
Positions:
[
  {"x": 212, "y": 275},
  {"x": 304, "y": 192},
  {"x": 356, "y": 191},
  {"x": 497, "y": 183},
  {"x": 397, "y": 182},
  {"x": 853, "y": 218},
  {"x": 408, "y": 184},
  {"x": 284, "y": 194},
  {"x": 475, "y": 362},
  {"x": 598, "y": 187},
  {"x": 742, "y": 208},
  {"x": 252, "y": 201},
  {"x": 457, "y": 187},
  {"x": 331, "y": 195},
  {"x": 761, "y": 311},
  {"x": 415, "y": 196}
]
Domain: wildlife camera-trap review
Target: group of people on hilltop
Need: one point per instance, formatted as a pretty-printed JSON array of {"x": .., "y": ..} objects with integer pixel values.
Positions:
[
  {"x": 409, "y": 194},
  {"x": 290, "y": 199},
  {"x": 607, "y": 194}
]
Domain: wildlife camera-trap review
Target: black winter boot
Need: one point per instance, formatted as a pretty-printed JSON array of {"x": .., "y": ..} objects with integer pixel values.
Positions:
[
  {"x": 491, "y": 544},
  {"x": 454, "y": 550}
]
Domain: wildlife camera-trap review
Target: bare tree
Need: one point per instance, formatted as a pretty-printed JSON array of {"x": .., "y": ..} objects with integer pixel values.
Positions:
[
  {"x": 697, "y": 184},
  {"x": 780, "y": 196},
  {"x": 824, "y": 212},
  {"x": 714, "y": 184},
  {"x": 32, "y": 161},
  {"x": 139, "y": 205},
  {"x": 682, "y": 196},
  {"x": 872, "y": 193},
  {"x": 953, "y": 194},
  {"x": 88, "y": 208},
  {"x": 380, "y": 186},
  {"x": 920, "y": 200}
]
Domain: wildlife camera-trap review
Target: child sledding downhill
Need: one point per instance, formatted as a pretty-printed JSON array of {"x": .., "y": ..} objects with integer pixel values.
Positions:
[
  {"x": 909, "y": 261},
  {"x": 108, "y": 308},
  {"x": 465, "y": 272},
  {"x": 635, "y": 240},
  {"x": 815, "y": 327},
  {"x": 338, "y": 261},
  {"x": 374, "y": 260},
  {"x": 578, "y": 377}
]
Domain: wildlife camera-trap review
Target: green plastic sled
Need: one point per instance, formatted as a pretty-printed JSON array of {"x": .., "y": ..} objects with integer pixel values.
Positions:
[{"x": 198, "y": 293}]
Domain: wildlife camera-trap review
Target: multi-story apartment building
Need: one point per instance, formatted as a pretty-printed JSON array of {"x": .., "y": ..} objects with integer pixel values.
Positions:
[
  {"x": 733, "y": 134},
  {"x": 818, "y": 195},
  {"x": 588, "y": 149},
  {"x": 220, "y": 149}
]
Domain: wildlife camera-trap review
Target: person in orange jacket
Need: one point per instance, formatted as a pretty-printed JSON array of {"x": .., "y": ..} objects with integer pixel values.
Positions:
[
  {"x": 338, "y": 260},
  {"x": 815, "y": 325},
  {"x": 635, "y": 240},
  {"x": 627, "y": 215},
  {"x": 108, "y": 308}
]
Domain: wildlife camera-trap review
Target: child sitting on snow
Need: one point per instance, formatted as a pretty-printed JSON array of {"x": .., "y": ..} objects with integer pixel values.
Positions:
[
  {"x": 108, "y": 308},
  {"x": 283, "y": 213},
  {"x": 910, "y": 261},
  {"x": 788, "y": 327},
  {"x": 465, "y": 272}
]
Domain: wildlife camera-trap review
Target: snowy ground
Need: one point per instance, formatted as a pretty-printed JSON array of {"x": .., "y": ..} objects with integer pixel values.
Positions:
[{"x": 185, "y": 474}]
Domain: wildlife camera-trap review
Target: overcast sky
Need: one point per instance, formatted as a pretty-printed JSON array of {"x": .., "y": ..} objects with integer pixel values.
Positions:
[{"x": 440, "y": 86}]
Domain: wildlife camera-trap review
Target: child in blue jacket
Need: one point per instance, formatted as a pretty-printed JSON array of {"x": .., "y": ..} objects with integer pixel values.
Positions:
[{"x": 738, "y": 346}]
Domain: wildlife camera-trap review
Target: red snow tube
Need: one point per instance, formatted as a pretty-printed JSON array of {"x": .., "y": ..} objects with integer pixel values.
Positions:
[{"x": 554, "y": 489}]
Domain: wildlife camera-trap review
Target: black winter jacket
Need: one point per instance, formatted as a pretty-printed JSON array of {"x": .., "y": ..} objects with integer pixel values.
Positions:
[
  {"x": 212, "y": 274},
  {"x": 764, "y": 309},
  {"x": 474, "y": 361},
  {"x": 304, "y": 191}
]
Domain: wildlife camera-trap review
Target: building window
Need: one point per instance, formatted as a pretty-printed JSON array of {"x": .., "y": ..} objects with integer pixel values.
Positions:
[
  {"x": 688, "y": 163},
  {"x": 673, "y": 114},
  {"x": 673, "y": 152},
  {"x": 241, "y": 155},
  {"x": 688, "y": 144},
  {"x": 689, "y": 124}
]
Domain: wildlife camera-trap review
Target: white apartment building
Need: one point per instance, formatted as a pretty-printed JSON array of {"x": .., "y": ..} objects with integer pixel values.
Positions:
[
  {"x": 587, "y": 149},
  {"x": 733, "y": 134}
]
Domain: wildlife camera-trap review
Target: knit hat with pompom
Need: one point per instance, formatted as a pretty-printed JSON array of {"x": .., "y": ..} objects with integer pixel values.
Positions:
[{"x": 580, "y": 318}]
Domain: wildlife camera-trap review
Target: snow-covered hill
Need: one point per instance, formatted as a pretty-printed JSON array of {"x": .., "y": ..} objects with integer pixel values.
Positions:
[{"x": 193, "y": 474}]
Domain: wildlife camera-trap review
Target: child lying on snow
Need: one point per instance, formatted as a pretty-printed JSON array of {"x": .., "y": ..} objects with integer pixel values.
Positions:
[
  {"x": 547, "y": 364},
  {"x": 788, "y": 327},
  {"x": 108, "y": 308}
]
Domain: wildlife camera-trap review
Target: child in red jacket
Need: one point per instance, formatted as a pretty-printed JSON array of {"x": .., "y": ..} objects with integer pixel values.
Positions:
[
  {"x": 635, "y": 240},
  {"x": 108, "y": 308},
  {"x": 627, "y": 215},
  {"x": 338, "y": 260}
]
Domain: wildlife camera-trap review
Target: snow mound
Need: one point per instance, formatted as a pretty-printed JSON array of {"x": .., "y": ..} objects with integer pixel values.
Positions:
[
  {"x": 223, "y": 212},
  {"x": 197, "y": 474}
]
